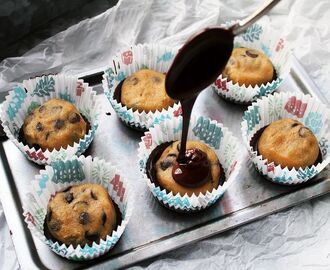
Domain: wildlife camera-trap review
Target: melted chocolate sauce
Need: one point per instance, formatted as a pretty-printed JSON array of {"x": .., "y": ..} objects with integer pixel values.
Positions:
[
  {"x": 196, "y": 66},
  {"x": 195, "y": 172},
  {"x": 154, "y": 157}
]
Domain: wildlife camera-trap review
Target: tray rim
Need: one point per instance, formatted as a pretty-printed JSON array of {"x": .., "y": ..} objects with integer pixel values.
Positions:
[{"x": 170, "y": 242}]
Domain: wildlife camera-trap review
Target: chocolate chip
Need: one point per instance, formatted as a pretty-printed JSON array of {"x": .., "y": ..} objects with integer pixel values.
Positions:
[
  {"x": 49, "y": 214},
  {"x": 134, "y": 80},
  {"x": 156, "y": 80},
  {"x": 302, "y": 131},
  {"x": 251, "y": 54},
  {"x": 93, "y": 195},
  {"x": 42, "y": 109},
  {"x": 83, "y": 218},
  {"x": 93, "y": 237},
  {"x": 47, "y": 135},
  {"x": 39, "y": 127},
  {"x": 171, "y": 155},
  {"x": 104, "y": 218},
  {"x": 294, "y": 125},
  {"x": 59, "y": 123},
  {"x": 54, "y": 225},
  {"x": 164, "y": 165},
  {"x": 56, "y": 109},
  {"x": 69, "y": 197},
  {"x": 74, "y": 118}
]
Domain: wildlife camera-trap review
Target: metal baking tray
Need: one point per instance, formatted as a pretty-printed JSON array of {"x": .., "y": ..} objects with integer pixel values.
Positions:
[{"x": 154, "y": 229}]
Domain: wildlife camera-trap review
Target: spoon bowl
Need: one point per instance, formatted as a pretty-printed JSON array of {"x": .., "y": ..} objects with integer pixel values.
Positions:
[{"x": 199, "y": 62}]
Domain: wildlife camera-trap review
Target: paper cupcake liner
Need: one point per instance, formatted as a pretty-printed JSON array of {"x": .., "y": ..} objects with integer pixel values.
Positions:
[
  {"x": 62, "y": 174},
  {"x": 38, "y": 90},
  {"x": 212, "y": 133},
  {"x": 309, "y": 111},
  {"x": 259, "y": 36},
  {"x": 125, "y": 63}
]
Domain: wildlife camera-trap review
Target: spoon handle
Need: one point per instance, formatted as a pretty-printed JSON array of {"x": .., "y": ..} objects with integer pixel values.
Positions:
[{"x": 242, "y": 25}]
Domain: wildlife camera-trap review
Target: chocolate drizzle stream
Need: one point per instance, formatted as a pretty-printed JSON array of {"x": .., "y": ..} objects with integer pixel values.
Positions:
[{"x": 196, "y": 66}]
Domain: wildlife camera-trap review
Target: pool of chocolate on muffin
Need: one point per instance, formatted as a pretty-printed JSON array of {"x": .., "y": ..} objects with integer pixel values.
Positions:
[{"x": 154, "y": 157}]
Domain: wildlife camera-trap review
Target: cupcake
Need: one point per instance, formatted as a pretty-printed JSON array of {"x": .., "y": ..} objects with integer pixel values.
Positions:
[
  {"x": 259, "y": 62},
  {"x": 213, "y": 154},
  {"x": 134, "y": 85},
  {"x": 144, "y": 90},
  {"x": 287, "y": 137},
  {"x": 78, "y": 207},
  {"x": 288, "y": 143},
  {"x": 52, "y": 117},
  {"x": 80, "y": 215},
  {"x": 248, "y": 66},
  {"x": 56, "y": 123},
  {"x": 202, "y": 172}
]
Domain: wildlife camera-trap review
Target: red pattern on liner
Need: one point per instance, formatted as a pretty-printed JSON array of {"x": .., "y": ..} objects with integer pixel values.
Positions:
[
  {"x": 127, "y": 57},
  {"x": 147, "y": 140},
  {"x": 295, "y": 107},
  {"x": 221, "y": 85},
  {"x": 118, "y": 186},
  {"x": 36, "y": 156},
  {"x": 30, "y": 218}
]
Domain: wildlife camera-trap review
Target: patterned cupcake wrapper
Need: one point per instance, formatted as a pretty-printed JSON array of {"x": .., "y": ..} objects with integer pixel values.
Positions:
[
  {"x": 215, "y": 135},
  {"x": 125, "y": 63},
  {"x": 259, "y": 36},
  {"x": 62, "y": 174},
  {"x": 311, "y": 112},
  {"x": 21, "y": 101}
]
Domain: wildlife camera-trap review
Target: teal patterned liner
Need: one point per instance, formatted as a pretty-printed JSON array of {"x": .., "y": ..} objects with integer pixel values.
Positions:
[
  {"x": 62, "y": 174},
  {"x": 259, "y": 36},
  {"x": 215, "y": 135},
  {"x": 21, "y": 100},
  {"x": 304, "y": 108},
  {"x": 125, "y": 63}
]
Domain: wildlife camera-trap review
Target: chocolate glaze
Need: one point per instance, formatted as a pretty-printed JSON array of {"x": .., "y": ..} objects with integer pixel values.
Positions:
[
  {"x": 197, "y": 65},
  {"x": 255, "y": 139},
  {"x": 195, "y": 172},
  {"x": 154, "y": 157}
]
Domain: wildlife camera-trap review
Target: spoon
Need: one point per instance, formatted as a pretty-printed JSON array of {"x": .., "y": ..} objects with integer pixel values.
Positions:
[{"x": 200, "y": 61}]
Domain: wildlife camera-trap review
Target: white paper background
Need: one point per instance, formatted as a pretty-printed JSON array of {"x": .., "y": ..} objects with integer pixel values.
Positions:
[{"x": 298, "y": 238}]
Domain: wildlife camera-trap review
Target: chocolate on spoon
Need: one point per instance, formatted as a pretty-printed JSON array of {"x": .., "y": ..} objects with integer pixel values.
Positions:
[{"x": 199, "y": 62}]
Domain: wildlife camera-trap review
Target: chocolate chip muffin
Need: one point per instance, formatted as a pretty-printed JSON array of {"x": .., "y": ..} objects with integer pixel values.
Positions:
[
  {"x": 80, "y": 215},
  {"x": 249, "y": 66},
  {"x": 55, "y": 124},
  {"x": 145, "y": 91},
  {"x": 205, "y": 160},
  {"x": 288, "y": 143}
]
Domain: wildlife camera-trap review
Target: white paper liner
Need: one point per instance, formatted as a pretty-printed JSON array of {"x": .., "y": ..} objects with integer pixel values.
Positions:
[
  {"x": 62, "y": 174},
  {"x": 311, "y": 112},
  {"x": 40, "y": 89},
  {"x": 125, "y": 63},
  {"x": 215, "y": 135},
  {"x": 259, "y": 36}
]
